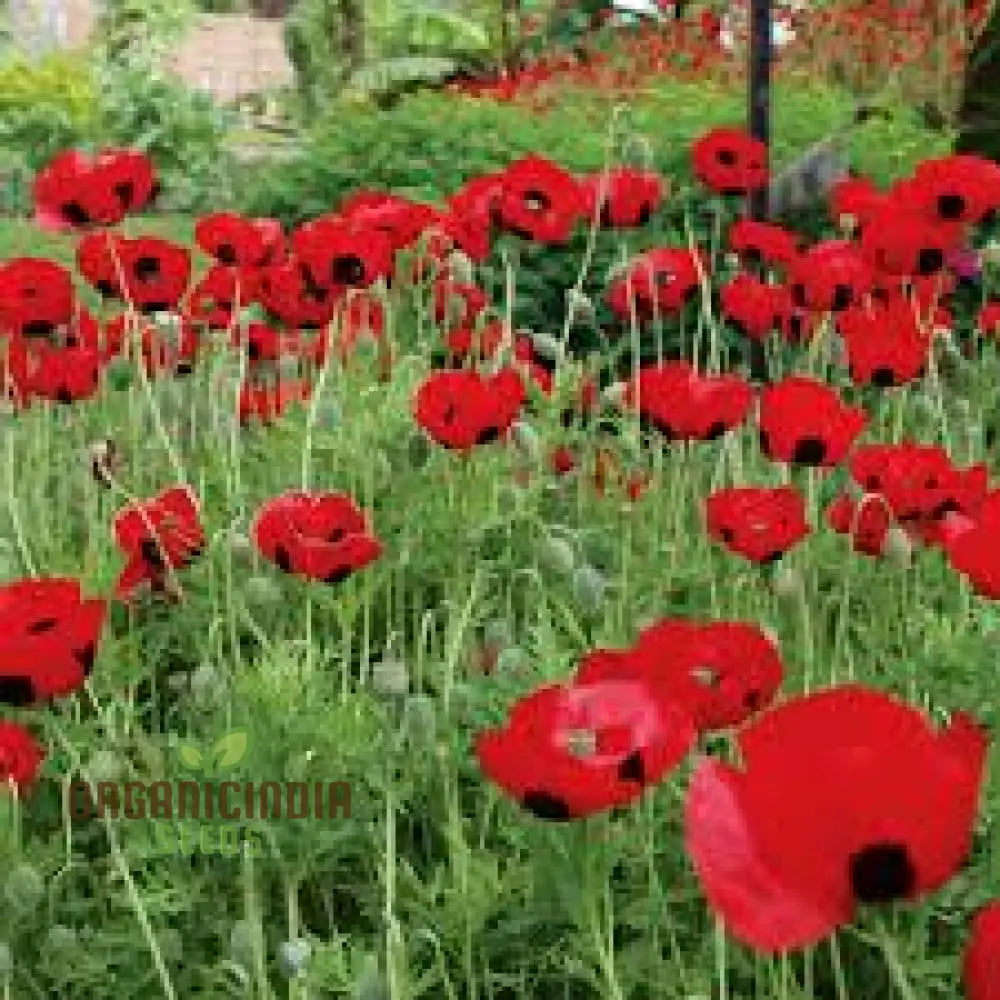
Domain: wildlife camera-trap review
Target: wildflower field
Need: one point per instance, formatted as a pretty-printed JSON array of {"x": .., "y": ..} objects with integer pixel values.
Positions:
[{"x": 534, "y": 580}]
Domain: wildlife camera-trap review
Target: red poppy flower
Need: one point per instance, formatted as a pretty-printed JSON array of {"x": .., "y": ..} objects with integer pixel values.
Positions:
[
  {"x": 718, "y": 672},
  {"x": 885, "y": 344},
  {"x": 683, "y": 405},
  {"x": 867, "y": 526},
  {"x": 156, "y": 534},
  {"x": 857, "y": 198},
  {"x": 21, "y": 757},
  {"x": 36, "y": 296},
  {"x": 129, "y": 175},
  {"x": 763, "y": 243},
  {"x": 660, "y": 281},
  {"x": 400, "y": 220},
  {"x": 49, "y": 639},
  {"x": 540, "y": 201},
  {"x": 572, "y": 751},
  {"x": 468, "y": 233},
  {"x": 340, "y": 254},
  {"x": 730, "y": 162},
  {"x": 42, "y": 371},
  {"x": 829, "y": 276},
  {"x": 906, "y": 243},
  {"x": 222, "y": 290},
  {"x": 289, "y": 293},
  {"x": 754, "y": 307},
  {"x": 98, "y": 259},
  {"x": 155, "y": 272},
  {"x": 972, "y": 550},
  {"x": 456, "y": 303},
  {"x": 988, "y": 319},
  {"x": 165, "y": 349},
  {"x": 268, "y": 401},
  {"x": 476, "y": 207},
  {"x": 804, "y": 422},
  {"x": 759, "y": 523},
  {"x": 356, "y": 316},
  {"x": 320, "y": 536},
  {"x": 236, "y": 241},
  {"x": 462, "y": 409},
  {"x": 630, "y": 197},
  {"x": 956, "y": 188},
  {"x": 845, "y": 797},
  {"x": 981, "y": 961}
]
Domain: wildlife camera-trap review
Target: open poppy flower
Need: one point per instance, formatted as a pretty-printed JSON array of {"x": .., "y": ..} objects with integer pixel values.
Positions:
[
  {"x": 970, "y": 546},
  {"x": 730, "y": 162},
  {"x": 719, "y": 672},
  {"x": 845, "y": 797},
  {"x": 265, "y": 401},
  {"x": 236, "y": 241},
  {"x": 906, "y": 243},
  {"x": 857, "y": 199},
  {"x": 155, "y": 273},
  {"x": 829, "y": 276},
  {"x": 630, "y": 197},
  {"x": 756, "y": 242},
  {"x": 218, "y": 295},
  {"x": 683, "y": 405},
  {"x": 885, "y": 344},
  {"x": 21, "y": 757},
  {"x": 804, "y": 422},
  {"x": 320, "y": 536},
  {"x": 572, "y": 751},
  {"x": 462, "y": 409},
  {"x": 48, "y": 639},
  {"x": 981, "y": 961},
  {"x": 43, "y": 371},
  {"x": 540, "y": 201},
  {"x": 754, "y": 307},
  {"x": 156, "y": 535},
  {"x": 403, "y": 222},
  {"x": 659, "y": 282},
  {"x": 339, "y": 254},
  {"x": 759, "y": 523},
  {"x": 867, "y": 521},
  {"x": 289, "y": 293},
  {"x": 36, "y": 297},
  {"x": 956, "y": 188}
]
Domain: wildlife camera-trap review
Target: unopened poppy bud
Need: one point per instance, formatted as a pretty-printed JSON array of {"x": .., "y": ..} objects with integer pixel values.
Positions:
[
  {"x": 240, "y": 545},
  {"x": 512, "y": 660},
  {"x": 293, "y": 957},
  {"x": 461, "y": 268},
  {"x": 262, "y": 592},
  {"x": 390, "y": 676},
  {"x": 241, "y": 942},
  {"x": 579, "y": 306},
  {"x": 205, "y": 682},
  {"x": 119, "y": 374},
  {"x": 614, "y": 394},
  {"x": 497, "y": 632},
  {"x": 787, "y": 583},
  {"x": 24, "y": 887},
  {"x": 556, "y": 554},
  {"x": 371, "y": 984},
  {"x": 589, "y": 586},
  {"x": 420, "y": 719},
  {"x": 6, "y": 959},
  {"x": 547, "y": 346},
  {"x": 418, "y": 451},
  {"x": 104, "y": 766},
  {"x": 328, "y": 416},
  {"x": 525, "y": 439},
  {"x": 898, "y": 547}
]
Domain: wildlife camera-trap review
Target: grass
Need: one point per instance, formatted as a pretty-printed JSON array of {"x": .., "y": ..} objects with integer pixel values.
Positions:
[{"x": 434, "y": 886}]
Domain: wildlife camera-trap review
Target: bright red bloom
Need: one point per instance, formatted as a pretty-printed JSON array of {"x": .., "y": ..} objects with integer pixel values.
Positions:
[
  {"x": 36, "y": 297},
  {"x": 759, "y": 523},
  {"x": 906, "y": 243},
  {"x": 754, "y": 307},
  {"x": 267, "y": 402},
  {"x": 829, "y": 276},
  {"x": 21, "y": 757},
  {"x": 988, "y": 319},
  {"x": 540, "y": 201},
  {"x": 845, "y": 797},
  {"x": 236, "y": 241},
  {"x": 763, "y": 242},
  {"x": 730, "y": 162},
  {"x": 857, "y": 197},
  {"x": 630, "y": 197},
  {"x": 340, "y": 254},
  {"x": 868, "y": 528},
  {"x": 42, "y": 371},
  {"x": 289, "y": 293},
  {"x": 981, "y": 961},
  {"x": 48, "y": 639},
  {"x": 220, "y": 293},
  {"x": 718, "y": 672},
  {"x": 683, "y": 405},
  {"x": 320, "y": 536},
  {"x": 572, "y": 751},
  {"x": 972, "y": 548},
  {"x": 804, "y": 422},
  {"x": 156, "y": 534},
  {"x": 660, "y": 281},
  {"x": 886, "y": 345},
  {"x": 155, "y": 272},
  {"x": 462, "y": 409},
  {"x": 956, "y": 188}
]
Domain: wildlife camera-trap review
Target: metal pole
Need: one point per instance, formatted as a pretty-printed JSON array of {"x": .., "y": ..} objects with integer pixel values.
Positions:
[{"x": 759, "y": 92}]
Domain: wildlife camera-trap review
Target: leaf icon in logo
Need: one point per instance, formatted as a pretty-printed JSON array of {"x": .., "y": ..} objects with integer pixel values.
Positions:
[
  {"x": 230, "y": 749},
  {"x": 191, "y": 757}
]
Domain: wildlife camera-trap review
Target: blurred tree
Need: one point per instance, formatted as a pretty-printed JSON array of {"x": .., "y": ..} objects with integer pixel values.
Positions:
[{"x": 978, "y": 117}]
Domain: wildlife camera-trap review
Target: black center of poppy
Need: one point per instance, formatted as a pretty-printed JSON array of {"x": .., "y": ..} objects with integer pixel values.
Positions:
[
  {"x": 42, "y": 625},
  {"x": 929, "y": 260},
  {"x": 536, "y": 201},
  {"x": 809, "y": 451},
  {"x": 727, "y": 157},
  {"x": 74, "y": 213},
  {"x": 644, "y": 214},
  {"x": 347, "y": 270},
  {"x": 226, "y": 254},
  {"x": 107, "y": 288},
  {"x": 883, "y": 378},
  {"x": 64, "y": 396},
  {"x": 546, "y": 806},
  {"x": 37, "y": 328},
  {"x": 282, "y": 560},
  {"x": 842, "y": 296},
  {"x": 799, "y": 294},
  {"x": 147, "y": 268},
  {"x": 632, "y": 769},
  {"x": 951, "y": 206},
  {"x": 150, "y": 551},
  {"x": 765, "y": 442},
  {"x": 85, "y": 657},
  {"x": 16, "y": 691},
  {"x": 715, "y": 431},
  {"x": 488, "y": 435},
  {"x": 882, "y": 872},
  {"x": 337, "y": 535},
  {"x": 125, "y": 193}
]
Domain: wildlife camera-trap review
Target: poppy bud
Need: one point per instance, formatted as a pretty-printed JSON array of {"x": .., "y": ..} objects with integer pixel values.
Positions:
[
  {"x": 787, "y": 583},
  {"x": 579, "y": 306},
  {"x": 898, "y": 547},
  {"x": 418, "y": 451},
  {"x": 419, "y": 719},
  {"x": 589, "y": 585},
  {"x": 240, "y": 546},
  {"x": 262, "y": 592},
  {"x": 525, "y": 439},
  {"x": 461, "y": 268},
  {"x": 390, "y": 676},
  {"x": 293, "y": 956},
  {"x": 614, "y": 394},
  {"x": 104, "y": 766},
  {"x": 24, "y": 887},
  {"x": 371, "y": 984},
  {"x": 205, "y": 682},
  {"x": 241, "y": 942},
  {"x": 6, "y": 959},
  {"x": 119, "y": 374},
  {"x": 557, "y": 554},
  {"x": 547, "y": 346},
  {"x": 105, "y": 461},
  {"x": 497, "y": 632}
]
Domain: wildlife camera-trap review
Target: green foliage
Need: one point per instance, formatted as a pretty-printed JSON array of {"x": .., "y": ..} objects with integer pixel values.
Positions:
[{"x": 129, "y": 25}]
